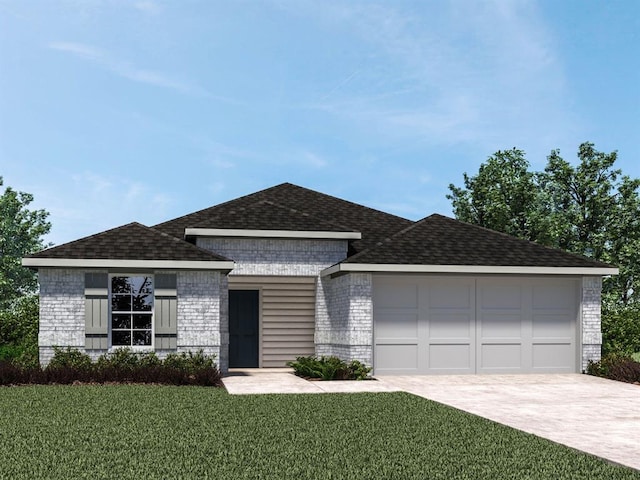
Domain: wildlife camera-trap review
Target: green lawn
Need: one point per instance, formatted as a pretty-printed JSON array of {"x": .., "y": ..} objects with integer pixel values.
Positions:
[{"x": 196, "y": 432}]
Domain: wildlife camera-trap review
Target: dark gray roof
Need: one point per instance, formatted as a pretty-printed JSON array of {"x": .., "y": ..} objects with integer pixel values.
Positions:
[
  {"x": 265, "y": 215},
  {"x": 133, "y": 241},
  {"x": 438, "y": 240},
  {"x": 374, "y": 225}
]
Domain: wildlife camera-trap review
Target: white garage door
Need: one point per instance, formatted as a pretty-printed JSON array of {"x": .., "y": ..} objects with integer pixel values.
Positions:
[{"x": 428, "y": 325}]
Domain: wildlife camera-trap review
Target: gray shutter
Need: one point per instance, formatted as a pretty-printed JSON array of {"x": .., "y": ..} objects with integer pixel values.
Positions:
[
  {"x": 165, "y": 310},
  {"x": 96, "y": 311}
]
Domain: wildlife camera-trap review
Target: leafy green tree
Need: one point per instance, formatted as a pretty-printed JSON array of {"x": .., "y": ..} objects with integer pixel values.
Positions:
[
  {"x": 503, "y": 196},
  {"x": 590, "y": 209},
  {"x": 21, "y": 232}
]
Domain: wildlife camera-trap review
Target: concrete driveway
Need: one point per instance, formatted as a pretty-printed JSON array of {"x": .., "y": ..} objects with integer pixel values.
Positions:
[{"x": 598, "y": 416}]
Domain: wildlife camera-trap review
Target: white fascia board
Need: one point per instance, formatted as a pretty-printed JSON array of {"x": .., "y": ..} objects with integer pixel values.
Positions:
[
  {"x": 106, "y": 263},
  {"x": 474, "y": 269},
  {"x": 232, "y": 232}
]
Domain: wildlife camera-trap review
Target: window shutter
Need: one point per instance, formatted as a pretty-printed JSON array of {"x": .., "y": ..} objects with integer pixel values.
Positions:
[
  {"x": 165, "y": 310},
  {"x": 96, "y": 310}
]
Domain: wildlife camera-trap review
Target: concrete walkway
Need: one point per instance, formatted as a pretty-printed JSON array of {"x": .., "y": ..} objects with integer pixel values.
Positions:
[
  {"x": 282, "y": 380},
  {"x": 598, "y": 416}
]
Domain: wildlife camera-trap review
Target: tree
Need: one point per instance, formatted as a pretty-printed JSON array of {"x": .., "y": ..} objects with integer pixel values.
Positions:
[
  {"x": 21, "y": 232},
  {"x": 590, "y": 209},
  {"x": 503, "y": 196}
]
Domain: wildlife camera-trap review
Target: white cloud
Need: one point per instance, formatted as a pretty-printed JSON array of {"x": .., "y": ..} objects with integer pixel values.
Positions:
[
  {"x": 129, "y": 71},
  {"x": 446, "y": 72},
  {"x": 148, "y": 6}
]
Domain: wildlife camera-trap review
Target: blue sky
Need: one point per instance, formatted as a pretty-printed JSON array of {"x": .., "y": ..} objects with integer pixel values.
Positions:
[{"x": 115, "y": 111}]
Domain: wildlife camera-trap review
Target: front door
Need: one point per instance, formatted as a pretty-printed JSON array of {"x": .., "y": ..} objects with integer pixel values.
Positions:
[{"x": 243, "y": 328}]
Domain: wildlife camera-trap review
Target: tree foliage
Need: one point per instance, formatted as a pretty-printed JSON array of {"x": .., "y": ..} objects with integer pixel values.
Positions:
[
  {"x": 21, "y": 232},
  {"x": 590, "y": 209}
]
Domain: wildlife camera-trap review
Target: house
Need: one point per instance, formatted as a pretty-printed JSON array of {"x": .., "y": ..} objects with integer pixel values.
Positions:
[{"x": 288, "y": 271}]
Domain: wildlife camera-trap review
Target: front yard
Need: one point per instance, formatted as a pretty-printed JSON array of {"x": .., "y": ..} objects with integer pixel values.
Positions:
[{"x": 197, "y": 432}]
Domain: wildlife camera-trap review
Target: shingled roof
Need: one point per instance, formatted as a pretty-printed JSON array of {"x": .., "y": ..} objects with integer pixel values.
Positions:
[
  {"x": 266, "y": 215},
  {"x": 374, "y": 225},
  {"x": 133, "y": 241},
  {"x": 439, "y": 240}
]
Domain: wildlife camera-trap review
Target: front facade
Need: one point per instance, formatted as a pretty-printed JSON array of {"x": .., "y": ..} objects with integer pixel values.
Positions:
[{"x": 288, "y": 272}]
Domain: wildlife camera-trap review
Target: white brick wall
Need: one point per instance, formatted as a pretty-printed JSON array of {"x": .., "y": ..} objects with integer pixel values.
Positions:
[
  {"x": 591, "y": 319},
  {"x": 202, "y": 310},
  {"x": 345, "y": 327},
  {"x": 61, "y": 310},
  {"x": 282, "y": 257}
]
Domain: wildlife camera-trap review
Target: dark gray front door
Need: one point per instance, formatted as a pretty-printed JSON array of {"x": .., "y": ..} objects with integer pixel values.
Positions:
[{"x": 243, "y": 328}]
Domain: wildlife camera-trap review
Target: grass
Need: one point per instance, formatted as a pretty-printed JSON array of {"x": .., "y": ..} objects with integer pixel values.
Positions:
[
  {"x": 142, "y": 431},
  {"x": 636, "y": 356}
]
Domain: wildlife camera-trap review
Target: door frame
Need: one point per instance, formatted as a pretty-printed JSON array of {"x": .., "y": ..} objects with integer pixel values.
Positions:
[{"x": 257, "y": 288}]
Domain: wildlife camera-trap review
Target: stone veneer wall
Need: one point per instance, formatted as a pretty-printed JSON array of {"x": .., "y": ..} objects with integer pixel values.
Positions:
[
  {"x": 591, "y": 301},
  {"x": 61, "y": 311},
  {"x": 345, "y": 328}
]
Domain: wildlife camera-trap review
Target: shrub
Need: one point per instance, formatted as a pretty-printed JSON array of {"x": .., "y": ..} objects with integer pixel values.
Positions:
[
  {"x": 621, "y": 331},
  {"x": 616, "y": 367},
  {"x": 123, "y": 365},
  {"x": 329, "y": 368}
]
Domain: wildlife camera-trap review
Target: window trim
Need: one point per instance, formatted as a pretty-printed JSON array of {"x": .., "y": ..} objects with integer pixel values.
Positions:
[{"x": 135, "y": 348}]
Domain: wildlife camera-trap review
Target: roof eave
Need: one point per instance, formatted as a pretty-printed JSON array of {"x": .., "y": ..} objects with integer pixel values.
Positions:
[
  {"x": 119, "y": 263},
  {"x": 299, "y": 234},
  {"x": 466, "y": 269}
]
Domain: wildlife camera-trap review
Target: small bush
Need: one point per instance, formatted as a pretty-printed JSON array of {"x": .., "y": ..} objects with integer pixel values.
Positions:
[
  {"x": 621, "y": 330},
  {"x": 616, "y": 367},
  {"x": 121, "y": 366},
  {"x": 329, "y": 368}
]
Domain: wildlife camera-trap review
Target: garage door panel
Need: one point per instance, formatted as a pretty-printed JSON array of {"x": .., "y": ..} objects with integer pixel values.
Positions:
[
  {"x": 397, "y": 324},
  {"x": 500, "y": 325},
  {"x": 393, "y": 358},
  {"x": 555, "y": 295},
  {"x": 397, "y": 296},
  {"x": 552, "y": 326},
  {"x": 450, "y": 357},
  {"x": 500, "y": 297},
  {"x": 553, "y": 356},
  {"x": 442, "y": 325},
  {"x": 501, "y": 356},
  {"x": 450, "y": 295}
]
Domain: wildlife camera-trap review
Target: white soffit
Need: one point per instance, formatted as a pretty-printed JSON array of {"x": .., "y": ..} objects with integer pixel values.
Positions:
[
  {"x": 474, "y": 269},
  {"x": 301, "y": 234},
  {"x": 107, "y": 263}
]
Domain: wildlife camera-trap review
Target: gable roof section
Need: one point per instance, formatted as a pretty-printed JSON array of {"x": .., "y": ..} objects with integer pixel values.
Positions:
[
  {"x": 374, "y": 225},
  {"x": 133, "y": 245},
  {"x": 265, "y": 218},
  {"x": 441, "y": 244}
]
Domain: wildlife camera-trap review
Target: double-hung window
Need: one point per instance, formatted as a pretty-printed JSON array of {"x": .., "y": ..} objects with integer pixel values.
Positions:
[{"x": 131, "y": 310}]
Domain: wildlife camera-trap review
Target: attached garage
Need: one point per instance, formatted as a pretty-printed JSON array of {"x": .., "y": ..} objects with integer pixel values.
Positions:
[{"x": 435, "y": 324}]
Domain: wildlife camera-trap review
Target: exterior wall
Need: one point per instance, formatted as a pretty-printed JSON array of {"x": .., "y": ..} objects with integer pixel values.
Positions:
[
  {"x": 61, "y": 311},
  {"x": 202, "y": 314},
  {"x": 345, "y": 327},
  {"x": 283, "y": 257},
  {"x": 591, "y": 302},
  {"x": 287, "y": 316}
]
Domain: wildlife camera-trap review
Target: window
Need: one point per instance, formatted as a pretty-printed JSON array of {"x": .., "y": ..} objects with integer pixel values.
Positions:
[{"x": 131, "y": 311}]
